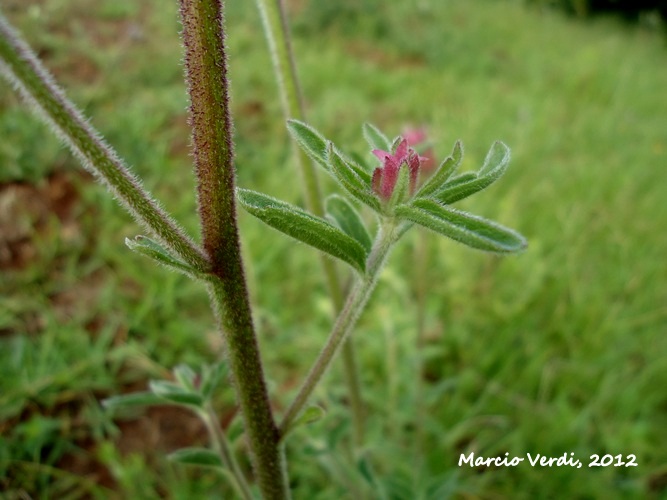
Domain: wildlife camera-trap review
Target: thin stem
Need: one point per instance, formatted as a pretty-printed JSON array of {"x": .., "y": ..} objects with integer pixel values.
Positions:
[
  {"x": 26, "y": 73},
  {"x": 222, "y": 447},
  {"x": 208, "y": 86},
  {"x": 356, "y": 302},
  {"x": 421, "y": 260},
  {"x": 274, "y": 21}
]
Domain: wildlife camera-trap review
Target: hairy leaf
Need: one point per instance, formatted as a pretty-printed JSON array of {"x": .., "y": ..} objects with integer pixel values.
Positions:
[
  {"x": 152, "y": 249},
  {"x": 471, "y": 230},
  {"x": 494, "y": 166},
  {"x": 375, "y": 138},
  {"x": 185, "y": 376},
  {"x": 348, "y": 219},
  {"x": 310, "y": 140},
  {"x": 305, "y": 227},
  {"x": 212, "y": 376},
  {"x": 196, "y": 456},
  {"x": 132, "y": 400},
  {"x": 436, "y": 182},
  {"x": 356, "y": 183},
  {"x": 401, "y": 190},
  {"x": 175, "y": 393}
]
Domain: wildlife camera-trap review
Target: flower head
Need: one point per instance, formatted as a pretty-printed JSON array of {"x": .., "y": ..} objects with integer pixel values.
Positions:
[
  {"x": 385, "y": 177},
  {"x": 416, "y": 136}
]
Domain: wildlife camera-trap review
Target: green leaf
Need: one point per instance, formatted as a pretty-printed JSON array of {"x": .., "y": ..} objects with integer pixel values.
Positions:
[
  {"x": 348, "y": 219},
  {"x": 152, "y": 249},
  {"x": 446, "y": 169},
  {"x": 185, "y": 376},
  {"x": 310, "y": 140},
  {"x": 494, "y": 166},
  {"x": 175, "y": 393},
  {"x": 356, "y": 183},
  {"x": 304, "y": 227},
  {"x": 196, "y": 456},
  {"x": 310, "y": 415},
  {"x": 460, "y": 179},
  {"x": 471, "y": 230},
  {"x": 132, "y": 400},
  {"x": 394, "y": 144},
  {"x": 211, "y": 378},
  {"x": 375, "y": 138},
  {"x": 401, "y": 190}
]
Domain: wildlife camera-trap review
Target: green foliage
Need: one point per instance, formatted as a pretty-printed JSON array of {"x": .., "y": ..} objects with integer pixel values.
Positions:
[
  {"x": 476, "y": 232},
  {"x": 494, "y": 166},
  {"x": 153, "y": 250},
  {"x": 310, "y": 140},
  {"x": 436, "y": 183},
  {"x": 375, "y": 138},
  {"x": 346, "y": 217},
  {"x": 196, "y": 456},
  {"x": 304, "y": 227}
]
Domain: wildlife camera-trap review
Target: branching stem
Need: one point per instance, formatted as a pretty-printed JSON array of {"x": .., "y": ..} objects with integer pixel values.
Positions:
[
  {"x": 276, "y": 29},
  {"x": 347, "y": 318}
]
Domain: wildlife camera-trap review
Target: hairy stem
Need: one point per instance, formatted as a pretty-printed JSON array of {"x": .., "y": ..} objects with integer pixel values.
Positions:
[
  {"x": 206, "y": 71},
  {"x": 222, "y": 447},
  {"x": 26, "y": 73},
  {"x": 274, "y": 21},
  {"x": 356, "y": 302}
]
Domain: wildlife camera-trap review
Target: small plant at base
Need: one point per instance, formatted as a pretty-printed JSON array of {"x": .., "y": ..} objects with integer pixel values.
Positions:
[{"x": 390, "y": 191}]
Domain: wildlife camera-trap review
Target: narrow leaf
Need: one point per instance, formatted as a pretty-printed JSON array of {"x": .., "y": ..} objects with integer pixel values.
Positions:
[
  {"x": 196, "y": 456},
  {"x": 304, "y": 227},
  {"x": 185, "y": 376},
  {"x": 211, "y": 378},
  {"x": 471, "y": 230},
  {"x": 375, "y": 138},
  {"x": 310, "y": 140},
  {"x": 132, "y": 400},
  {"x": 496, "y": 160},
  {"x": 494, "y": 166},
  {"x": 401, "y": 189},
  {"x": 348, "y": 219},
  {"x": 152, "y": 249},
  {"x": 354, "y": 183},
  {"x": 446, "y": 169},
  {"x": 460, "y": 179},
  {"x": 310, "y": 415},
  {"x": 175, "y": 393}
]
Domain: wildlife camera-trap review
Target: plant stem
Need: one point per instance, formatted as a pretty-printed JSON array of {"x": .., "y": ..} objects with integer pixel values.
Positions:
[
  {"x": 356, "y": 302},
  {"x": 274, "y": 21},
  {"x": 422, "y": 265},
  {"x": 206, "y": 70},
  {"x": 223, "y": 449},
  {"x": 26, "y": 73}
]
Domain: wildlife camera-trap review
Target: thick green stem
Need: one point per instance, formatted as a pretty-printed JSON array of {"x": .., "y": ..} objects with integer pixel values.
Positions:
[
  {"x": 27, "y": 74},
  {"x": 274, "y": 21},
  {"x": 356, "y": 302},
  {"x": 206, "y": 70}
]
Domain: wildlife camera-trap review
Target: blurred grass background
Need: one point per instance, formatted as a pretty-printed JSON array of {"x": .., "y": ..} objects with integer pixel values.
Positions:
[{"x": 559, "y": 350}]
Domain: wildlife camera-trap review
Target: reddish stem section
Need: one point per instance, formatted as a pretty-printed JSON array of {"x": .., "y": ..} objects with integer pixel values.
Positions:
[{"x": 206, "y": 73}]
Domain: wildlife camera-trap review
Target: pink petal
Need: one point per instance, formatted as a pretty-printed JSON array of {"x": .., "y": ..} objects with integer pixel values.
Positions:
[
  {"x": 401, "y": 151},
  {"x": 414, "y": 136},
  {"x": 376, "y": 180},
  {"x": 381, "y": 155}
]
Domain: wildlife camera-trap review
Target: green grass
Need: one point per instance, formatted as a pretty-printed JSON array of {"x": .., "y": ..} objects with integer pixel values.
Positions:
[{"x": 559, "y": 350}]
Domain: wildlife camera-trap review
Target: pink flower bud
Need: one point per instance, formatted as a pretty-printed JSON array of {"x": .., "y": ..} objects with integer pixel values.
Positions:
[{"x": 385, "y": 177}]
